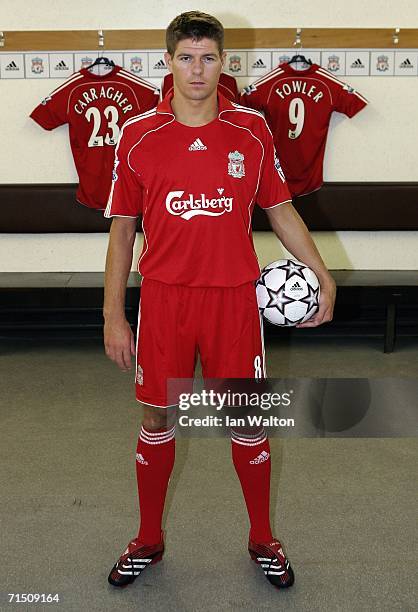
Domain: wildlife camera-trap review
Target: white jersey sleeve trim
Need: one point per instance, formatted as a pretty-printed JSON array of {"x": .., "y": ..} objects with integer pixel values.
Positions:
[
  {"x": 123, "y": 216},
  {"x": 275, "y": 205},
  {"x": 156, "y": 405}
]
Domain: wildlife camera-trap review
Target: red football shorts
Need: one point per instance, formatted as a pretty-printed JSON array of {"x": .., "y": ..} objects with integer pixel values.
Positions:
[{"x": 176, "y": 323}]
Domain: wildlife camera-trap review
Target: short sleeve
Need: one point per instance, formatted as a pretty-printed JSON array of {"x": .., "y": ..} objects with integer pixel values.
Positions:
[
  {"x": 126, "y": 192},
  {"x": 349, "y": 101},
  {"x": 52, "y": 111},
  {"x": 273, "y": 189}
]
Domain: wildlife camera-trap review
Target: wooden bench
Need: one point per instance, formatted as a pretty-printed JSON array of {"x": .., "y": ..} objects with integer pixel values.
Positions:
[{"x": 41, "y": 301}]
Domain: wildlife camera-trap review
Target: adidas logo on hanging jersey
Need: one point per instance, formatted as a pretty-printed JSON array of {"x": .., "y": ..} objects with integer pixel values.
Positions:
[
  {"x": 197, "y": 145},
  {"x": 261, "y": 458}
]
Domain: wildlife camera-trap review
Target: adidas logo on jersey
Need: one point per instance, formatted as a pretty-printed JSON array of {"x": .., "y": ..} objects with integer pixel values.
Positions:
[
  {"x": 261, "y": 458},
  {"x": 12, "y": 66},
  {"x": 406, "y": 64},
  {"x": 141, "y": 459},
  {"x": 296, "y": 287},
  {"x": 160, "y": 65},
  {"x": 197, "y": 145},
  {"x": 61, "y": 66},
  {"x": 357, "y": 64},
  {"x": 259, "y": 64}
]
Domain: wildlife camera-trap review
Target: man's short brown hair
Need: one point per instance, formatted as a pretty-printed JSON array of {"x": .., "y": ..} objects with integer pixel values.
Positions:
[{"x": 195, "y": 25}]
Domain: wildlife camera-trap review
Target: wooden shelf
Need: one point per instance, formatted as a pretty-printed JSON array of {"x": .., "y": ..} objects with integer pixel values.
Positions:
[{"x": 235, "y": 38}]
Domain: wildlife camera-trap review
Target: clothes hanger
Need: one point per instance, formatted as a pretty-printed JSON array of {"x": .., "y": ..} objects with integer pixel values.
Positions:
[
  {"x": 300, "y": 61},
  {"x": 102, "y": 60}
]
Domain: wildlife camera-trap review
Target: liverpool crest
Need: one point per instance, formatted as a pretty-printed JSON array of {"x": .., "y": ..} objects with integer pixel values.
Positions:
[
  {"x": 136, "y": 65},
  {"x": 235, "y": 63},
  {"x": 37, "y": 65},
  {"x": 236, "y": 166},
  {"x": 382, "y": 63},
  {"x": 86, "y": 62},
  {"x": 333, "y": 63}
]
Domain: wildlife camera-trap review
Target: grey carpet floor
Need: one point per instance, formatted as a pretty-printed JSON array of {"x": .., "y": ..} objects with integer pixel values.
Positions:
[{"x": 344, "y": 508}]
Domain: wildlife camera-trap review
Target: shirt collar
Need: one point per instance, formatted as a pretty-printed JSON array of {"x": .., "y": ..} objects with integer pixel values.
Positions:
[{"x": 164, "y": 107}]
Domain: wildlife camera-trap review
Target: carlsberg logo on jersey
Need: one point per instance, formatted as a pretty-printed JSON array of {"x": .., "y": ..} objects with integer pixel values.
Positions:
[{"x": 190, "y": 206}]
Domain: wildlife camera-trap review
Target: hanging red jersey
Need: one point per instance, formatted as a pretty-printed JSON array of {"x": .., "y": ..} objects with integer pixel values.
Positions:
[
  {"x": 298, "y": 105},
  {"x": 196, "y": 188},
  {"x": 227, "y": 86},
  {"x": 95, "y": 107}
]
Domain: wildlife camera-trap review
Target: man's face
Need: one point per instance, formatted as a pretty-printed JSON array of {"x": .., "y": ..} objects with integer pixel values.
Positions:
[{"x": 196, "y": 66}]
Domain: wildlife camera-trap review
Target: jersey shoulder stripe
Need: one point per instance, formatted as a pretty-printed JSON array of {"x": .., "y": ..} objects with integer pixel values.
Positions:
[
  {"x": 132, "y": 77},
  {"x": 72, "y": 79},
  {"x": 137, "y": 81},
  {"x": 365, "y": 100},
  {"x": 251, "y": 111},
  {"x": 131, "y": 121},
  {"x": 245, "y": 109},
  {"x": 136, "y": 118},
  {"x": 331, "y": 77},
  {"x": 267, "y": 77}
]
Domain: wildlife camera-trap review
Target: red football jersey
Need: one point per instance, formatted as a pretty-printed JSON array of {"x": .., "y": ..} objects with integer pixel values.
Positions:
[
  {"x": 196, "y": 188},
  {"x": 297, "y": 105},
  {"x": 95, "y": 107},
  {"x": 227, "y": 86}
]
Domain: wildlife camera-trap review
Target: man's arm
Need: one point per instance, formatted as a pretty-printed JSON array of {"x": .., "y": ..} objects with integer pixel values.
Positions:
[
  {"x": 118, "y": 337},
  {"x": 295, "y": 237}
]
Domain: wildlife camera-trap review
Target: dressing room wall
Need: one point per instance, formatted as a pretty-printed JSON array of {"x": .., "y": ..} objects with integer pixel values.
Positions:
[{"x": 378, "y": 145}]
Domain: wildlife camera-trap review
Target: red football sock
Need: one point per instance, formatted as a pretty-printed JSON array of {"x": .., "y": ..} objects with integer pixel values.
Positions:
[
  {"x": 251, "y": 457},
  {"x": 155, "y": 455}
]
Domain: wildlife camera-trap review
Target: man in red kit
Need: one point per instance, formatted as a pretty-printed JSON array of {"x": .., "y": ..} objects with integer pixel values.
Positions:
[{"x": 194, "y": 168}]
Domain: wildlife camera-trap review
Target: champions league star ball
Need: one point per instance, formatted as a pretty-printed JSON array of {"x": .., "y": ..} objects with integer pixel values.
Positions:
[{"x": 287, "y": 292}]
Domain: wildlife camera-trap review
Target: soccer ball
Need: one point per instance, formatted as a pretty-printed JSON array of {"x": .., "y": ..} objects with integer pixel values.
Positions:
[{"x": 287, "y": 292}]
